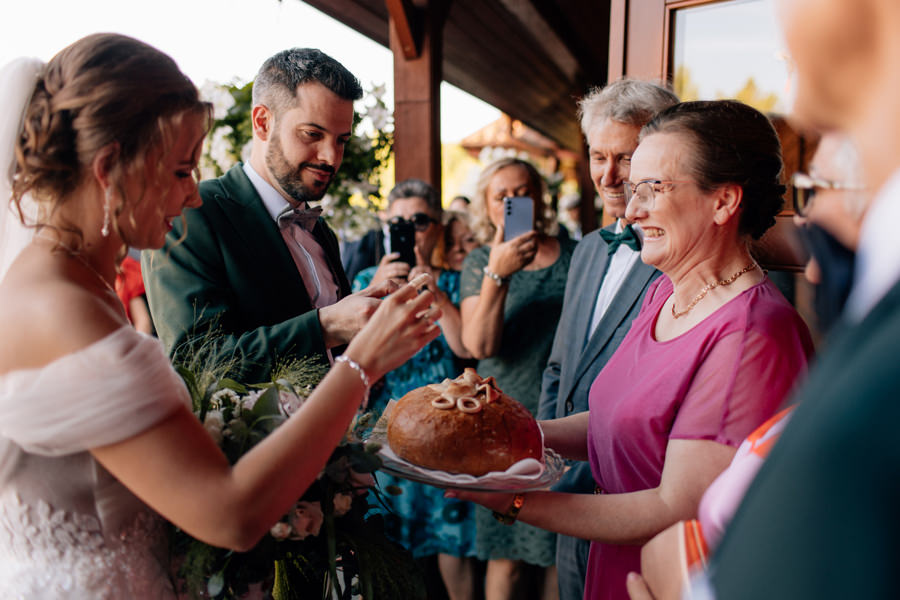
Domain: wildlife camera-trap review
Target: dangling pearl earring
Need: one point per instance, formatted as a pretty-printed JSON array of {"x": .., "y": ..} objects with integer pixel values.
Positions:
[{"x": 107, "y": 200}]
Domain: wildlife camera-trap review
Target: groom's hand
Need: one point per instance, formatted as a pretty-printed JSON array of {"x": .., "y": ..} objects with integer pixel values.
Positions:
[{"x": 343, "y": 319}]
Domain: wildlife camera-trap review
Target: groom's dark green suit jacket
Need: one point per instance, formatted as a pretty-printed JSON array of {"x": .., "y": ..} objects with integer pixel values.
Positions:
[{"x": 234, "y": 274}]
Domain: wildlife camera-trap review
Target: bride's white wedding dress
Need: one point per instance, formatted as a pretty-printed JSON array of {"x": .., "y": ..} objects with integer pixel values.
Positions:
[{"x": 69, "y": 529}]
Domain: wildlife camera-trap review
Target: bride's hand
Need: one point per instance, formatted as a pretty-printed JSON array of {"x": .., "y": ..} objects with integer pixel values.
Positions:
[{"x": 403, "y": 323}]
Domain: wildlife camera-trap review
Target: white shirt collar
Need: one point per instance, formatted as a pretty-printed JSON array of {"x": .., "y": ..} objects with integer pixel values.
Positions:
[
  {"x": 620, "y": 227},
  {"x": 271, "y": 198},
  {"x": 878, "y": 256}
]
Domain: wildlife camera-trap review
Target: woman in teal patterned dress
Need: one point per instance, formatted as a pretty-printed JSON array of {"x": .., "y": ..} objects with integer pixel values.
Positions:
[
  {"x": 512, "y": 295},
  {"x": 420, "y": 517}
]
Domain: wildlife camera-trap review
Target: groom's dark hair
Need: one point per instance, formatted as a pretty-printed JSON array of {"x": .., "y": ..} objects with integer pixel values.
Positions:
[{"x": 278, "y": 78}]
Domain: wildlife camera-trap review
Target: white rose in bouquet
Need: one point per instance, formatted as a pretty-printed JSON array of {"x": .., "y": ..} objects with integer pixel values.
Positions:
[
  {"x": 213, "y": 423},
  {"x": 280, "y": 530},
  {"x": 289, "y": 402}
]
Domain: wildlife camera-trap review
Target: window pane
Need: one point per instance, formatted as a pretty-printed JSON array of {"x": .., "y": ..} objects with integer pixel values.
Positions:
[{"x": 731, "y": 49}]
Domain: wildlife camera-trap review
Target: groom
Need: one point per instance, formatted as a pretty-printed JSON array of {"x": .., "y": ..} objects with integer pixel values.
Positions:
[{"x": 257, "y": 266}]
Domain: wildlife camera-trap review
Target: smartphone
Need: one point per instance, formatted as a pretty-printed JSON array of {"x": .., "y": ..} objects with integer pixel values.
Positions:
[
  {"x": 518, "y": 216},
  {"x": 403, "y": 240}
]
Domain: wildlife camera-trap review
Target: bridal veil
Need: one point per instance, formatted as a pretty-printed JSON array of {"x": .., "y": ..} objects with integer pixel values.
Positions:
[{"x": 17, "y": 82}]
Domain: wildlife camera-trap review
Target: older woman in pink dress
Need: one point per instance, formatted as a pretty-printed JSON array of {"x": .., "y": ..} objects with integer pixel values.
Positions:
[
  {"x": 830, "y": 225},
  {"x": 711, "y": 356}
]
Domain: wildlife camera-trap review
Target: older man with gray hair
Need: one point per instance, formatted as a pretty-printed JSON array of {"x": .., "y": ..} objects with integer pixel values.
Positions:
[{"x": 606, "y": 284}]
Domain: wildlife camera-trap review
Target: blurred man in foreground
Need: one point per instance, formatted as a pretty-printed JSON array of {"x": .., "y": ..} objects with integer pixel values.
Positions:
[{"x": 821, "y": 519}]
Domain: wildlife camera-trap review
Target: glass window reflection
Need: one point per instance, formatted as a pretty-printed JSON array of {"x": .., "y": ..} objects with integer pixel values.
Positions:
[{"x": 731, "y": 49}]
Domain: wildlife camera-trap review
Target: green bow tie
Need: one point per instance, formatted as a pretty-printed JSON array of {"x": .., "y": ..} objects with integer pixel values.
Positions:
[{"x": 614, "y": 240}]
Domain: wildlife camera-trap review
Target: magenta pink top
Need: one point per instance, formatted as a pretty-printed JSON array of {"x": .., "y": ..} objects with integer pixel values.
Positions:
[{"x": 719, "y": 381}]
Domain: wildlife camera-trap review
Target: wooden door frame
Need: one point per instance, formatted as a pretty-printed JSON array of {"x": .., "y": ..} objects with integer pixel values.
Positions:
[{"x": 640, "y": 41}]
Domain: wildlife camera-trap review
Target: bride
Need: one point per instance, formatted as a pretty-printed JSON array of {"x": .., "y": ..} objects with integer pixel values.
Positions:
[{"x": 96, "y": 434}]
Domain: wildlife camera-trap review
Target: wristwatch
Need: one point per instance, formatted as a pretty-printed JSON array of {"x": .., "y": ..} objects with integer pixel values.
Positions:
[{"x": 510, "y": 516}]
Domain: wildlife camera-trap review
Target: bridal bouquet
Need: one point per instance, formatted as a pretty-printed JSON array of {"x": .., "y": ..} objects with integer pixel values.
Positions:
[{"x": 327, "y": 545}]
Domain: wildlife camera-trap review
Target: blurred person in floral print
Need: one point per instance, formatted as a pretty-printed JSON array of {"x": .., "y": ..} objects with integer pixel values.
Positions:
[
  {"x": 420, "y": 518},
  {"x": 257, "y": 264}
]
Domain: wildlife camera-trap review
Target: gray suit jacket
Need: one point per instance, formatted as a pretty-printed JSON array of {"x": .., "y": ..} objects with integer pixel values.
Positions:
[{"x": 573, "y": 366}]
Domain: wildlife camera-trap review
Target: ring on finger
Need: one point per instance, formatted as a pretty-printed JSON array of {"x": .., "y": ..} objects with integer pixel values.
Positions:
[{"x": 428, "y": 315}]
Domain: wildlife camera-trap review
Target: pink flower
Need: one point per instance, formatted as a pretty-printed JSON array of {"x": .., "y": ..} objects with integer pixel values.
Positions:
[
  {"x": 306, "y": 519},
  {"x": 289, "y": 402}
]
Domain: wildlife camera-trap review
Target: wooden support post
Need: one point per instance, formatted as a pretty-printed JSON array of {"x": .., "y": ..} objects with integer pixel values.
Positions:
[{"x": 416, "y": 42}]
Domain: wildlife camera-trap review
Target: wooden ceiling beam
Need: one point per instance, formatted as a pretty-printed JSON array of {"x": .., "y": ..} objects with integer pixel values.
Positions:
[
  {"x": 417, "y": 79},
  {"x": 370, "y": 18},
  {"x": 407, "y": 27},
  {"x": 542, "y": 32},
  {"x": 499, "y": 50}
]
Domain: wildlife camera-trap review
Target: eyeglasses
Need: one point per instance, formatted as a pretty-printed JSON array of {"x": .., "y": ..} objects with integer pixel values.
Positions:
[
  {"x": 647, "y": 195},
  {"x": 804, "y": 187},
  {"x": 420, "y": 221}
]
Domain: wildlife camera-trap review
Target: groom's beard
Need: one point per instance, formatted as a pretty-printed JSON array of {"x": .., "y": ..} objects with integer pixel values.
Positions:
[
  {"x": 836, "y": 263},
  {"x": 291, "y": 179}
]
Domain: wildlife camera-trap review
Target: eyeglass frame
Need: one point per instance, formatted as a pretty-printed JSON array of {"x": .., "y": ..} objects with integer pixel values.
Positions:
[
  {"x": 808, "y": 184},
  {"x": 420, "y": 221},
  {"x": 630, "y": 188}
]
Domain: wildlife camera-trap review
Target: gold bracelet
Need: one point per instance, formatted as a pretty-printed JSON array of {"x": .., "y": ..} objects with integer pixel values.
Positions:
[{"x": 510, "y": 516}]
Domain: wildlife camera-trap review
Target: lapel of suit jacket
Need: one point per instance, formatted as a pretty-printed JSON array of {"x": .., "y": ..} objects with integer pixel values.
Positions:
[
  {"x": 623, "y": 302},
  {"x": 592, "y": 281},
  {"x": 256, "y": 229},
  {"x": 591, "y": 278}
]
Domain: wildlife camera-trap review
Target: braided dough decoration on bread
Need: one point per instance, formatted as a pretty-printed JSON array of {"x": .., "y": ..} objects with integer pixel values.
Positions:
[{"x": 465, "y": 425}]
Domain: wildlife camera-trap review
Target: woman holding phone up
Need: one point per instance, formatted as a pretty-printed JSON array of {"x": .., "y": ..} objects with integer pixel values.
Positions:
[{"x": 512, "y": 293}]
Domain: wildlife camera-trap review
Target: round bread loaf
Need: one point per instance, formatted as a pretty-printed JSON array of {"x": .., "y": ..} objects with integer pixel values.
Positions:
[{"x": 463, "y": 426}]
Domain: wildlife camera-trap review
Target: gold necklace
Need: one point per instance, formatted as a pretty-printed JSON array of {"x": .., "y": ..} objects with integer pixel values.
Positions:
[
  {"x": 708, "y": 287},
  {"x": 77, "y": 256}
]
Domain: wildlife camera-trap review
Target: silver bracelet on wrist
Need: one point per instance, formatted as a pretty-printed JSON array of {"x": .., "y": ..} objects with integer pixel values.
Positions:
[
  {"x": 500, "y": 281},
  {"x": 343, "y": 358}
]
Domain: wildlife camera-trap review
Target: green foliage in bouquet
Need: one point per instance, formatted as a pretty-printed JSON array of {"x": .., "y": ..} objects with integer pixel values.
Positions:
[{"x": 327, "y": 546}]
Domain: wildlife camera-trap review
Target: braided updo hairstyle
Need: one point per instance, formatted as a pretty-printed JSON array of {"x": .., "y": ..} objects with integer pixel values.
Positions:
[
  {"x": 730, "y": 142},
  {"x": 103, "y": 89}
]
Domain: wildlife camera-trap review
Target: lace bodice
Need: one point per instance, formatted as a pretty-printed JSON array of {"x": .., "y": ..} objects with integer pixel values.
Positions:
[{"x": 68, "y": 528}]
